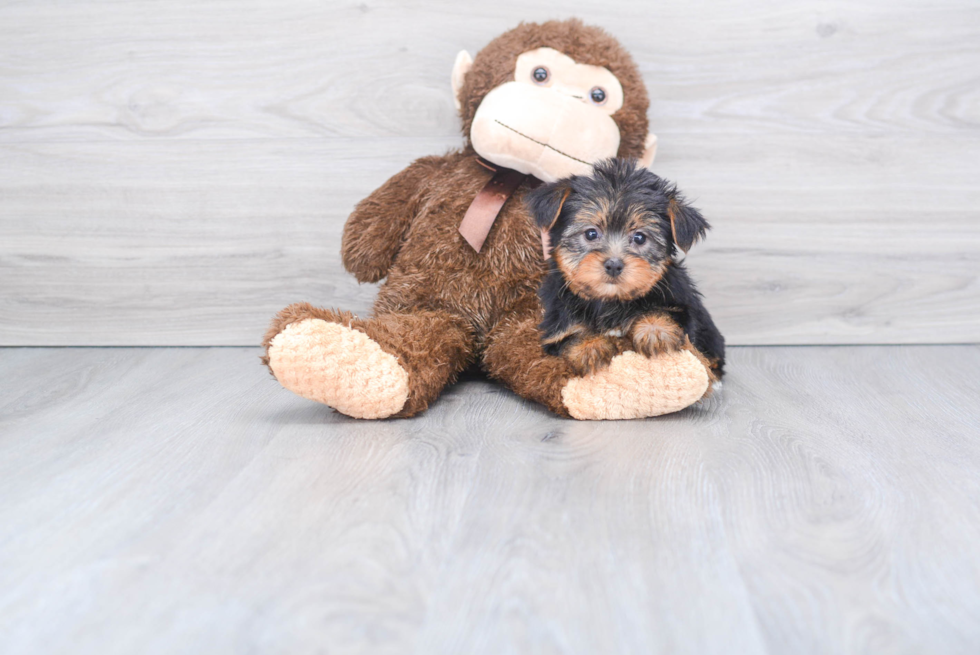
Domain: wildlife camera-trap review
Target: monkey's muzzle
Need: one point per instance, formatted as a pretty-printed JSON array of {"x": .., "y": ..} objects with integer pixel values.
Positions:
[{"x": 542, "y": 132}]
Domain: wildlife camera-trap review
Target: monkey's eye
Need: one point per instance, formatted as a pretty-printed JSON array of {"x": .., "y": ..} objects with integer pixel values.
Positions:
[
  {"x": 540, "y": 74},
  {"x": 591, "y": 234},
  {"x": 598, "y": 95},
  {"x": 639, "y": 238}
]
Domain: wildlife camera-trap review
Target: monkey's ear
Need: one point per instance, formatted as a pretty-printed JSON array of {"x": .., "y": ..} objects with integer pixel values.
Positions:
[
  {"x": 686, "y": 223},
  {"x": 464, "y": 62},
  {"x": 649, "y": 150},
  {"x": 545, "y": 202}
]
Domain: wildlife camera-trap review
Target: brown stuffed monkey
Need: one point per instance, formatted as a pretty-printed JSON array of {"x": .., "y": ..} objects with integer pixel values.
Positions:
[{"x": 540, "y": 102}]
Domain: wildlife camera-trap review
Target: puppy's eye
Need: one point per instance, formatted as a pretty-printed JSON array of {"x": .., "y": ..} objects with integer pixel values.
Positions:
[
  {"x": 591, "y": 234},
  {"x": 540, "y": 74},
  {"x": 598, "y": 95},
  {"x": 639, "y": 238}
]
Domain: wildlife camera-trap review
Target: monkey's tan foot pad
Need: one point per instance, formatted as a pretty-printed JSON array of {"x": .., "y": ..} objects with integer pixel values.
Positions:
[
  {"x": 634, "y": 386},
  {"x": 340, "y": 367}
]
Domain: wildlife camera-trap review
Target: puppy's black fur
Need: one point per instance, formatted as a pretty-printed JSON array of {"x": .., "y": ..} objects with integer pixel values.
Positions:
[{"x": 612, "y": 273}]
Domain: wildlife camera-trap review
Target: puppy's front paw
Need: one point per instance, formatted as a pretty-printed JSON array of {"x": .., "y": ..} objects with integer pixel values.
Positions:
[
  {"x": 589, "y": 355},
  {"x": 653, "y": 335}
]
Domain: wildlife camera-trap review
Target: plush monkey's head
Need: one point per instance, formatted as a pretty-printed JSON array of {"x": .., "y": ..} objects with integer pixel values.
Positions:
[{"x": 551, "y": 99}]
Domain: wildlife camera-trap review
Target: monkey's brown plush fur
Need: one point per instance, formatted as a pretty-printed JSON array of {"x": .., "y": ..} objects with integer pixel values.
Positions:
[{"x": 444, "y": 306}]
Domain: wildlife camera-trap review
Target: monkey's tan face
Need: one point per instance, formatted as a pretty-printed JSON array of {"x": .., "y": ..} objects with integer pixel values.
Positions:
[{"x": 553, "y": 120}]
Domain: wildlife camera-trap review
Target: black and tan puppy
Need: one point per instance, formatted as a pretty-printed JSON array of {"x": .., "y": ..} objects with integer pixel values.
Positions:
[{"x": 613, "y": 284}]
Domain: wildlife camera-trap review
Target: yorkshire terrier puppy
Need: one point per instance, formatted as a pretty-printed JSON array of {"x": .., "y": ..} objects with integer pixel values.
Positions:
[{"x": 613, "y": 283}]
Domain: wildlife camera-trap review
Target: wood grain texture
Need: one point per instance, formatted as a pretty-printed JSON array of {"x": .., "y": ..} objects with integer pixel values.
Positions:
[
  {"x": 204, "y": 242},
  {"x": 132, "y": 70},
  {"x": 178, "y": 500},
  {"x": 175, "y": 174}
]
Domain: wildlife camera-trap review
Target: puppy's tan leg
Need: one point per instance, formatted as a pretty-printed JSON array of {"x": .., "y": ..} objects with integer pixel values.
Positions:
[
  {"x": 655, "y": 334},
  {"x": 588, "y": 355},
  {"x": 555, "y": 340}
]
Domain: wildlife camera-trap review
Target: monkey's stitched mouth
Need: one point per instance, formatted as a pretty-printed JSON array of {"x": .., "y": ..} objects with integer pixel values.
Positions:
[{"x": 563, "y": 154}]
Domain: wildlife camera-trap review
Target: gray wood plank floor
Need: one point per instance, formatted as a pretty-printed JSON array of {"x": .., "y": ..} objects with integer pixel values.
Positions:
[{"x": 178, "y": 500}]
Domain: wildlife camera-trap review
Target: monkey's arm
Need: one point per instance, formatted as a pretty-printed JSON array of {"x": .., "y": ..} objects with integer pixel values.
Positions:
[{"x": 376, "y": 228}]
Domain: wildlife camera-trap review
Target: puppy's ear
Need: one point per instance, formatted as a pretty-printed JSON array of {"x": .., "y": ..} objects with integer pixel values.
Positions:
[
  {"x": 686, "y": 223},
  {"x": 545, "y": 203}
]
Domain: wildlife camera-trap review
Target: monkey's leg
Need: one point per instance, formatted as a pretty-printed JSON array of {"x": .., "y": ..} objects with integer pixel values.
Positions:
[
  {"x": 389, "y": 365},
  {"x": 514, "y": 355},
  {"x": 632, "y": 386}
]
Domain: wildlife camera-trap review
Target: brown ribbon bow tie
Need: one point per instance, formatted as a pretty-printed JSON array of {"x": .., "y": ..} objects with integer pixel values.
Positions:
[{"x": 484, "y": 209}]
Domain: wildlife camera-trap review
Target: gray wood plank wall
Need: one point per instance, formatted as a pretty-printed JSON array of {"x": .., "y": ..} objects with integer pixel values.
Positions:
[{"x": 173, "y": 173}]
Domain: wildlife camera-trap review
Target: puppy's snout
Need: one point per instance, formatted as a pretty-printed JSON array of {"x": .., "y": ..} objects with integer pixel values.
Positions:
[{"x": 613, "y": 266}]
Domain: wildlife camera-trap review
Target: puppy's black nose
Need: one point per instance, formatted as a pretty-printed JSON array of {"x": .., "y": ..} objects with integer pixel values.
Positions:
[{"x": 614, "y": 266}]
